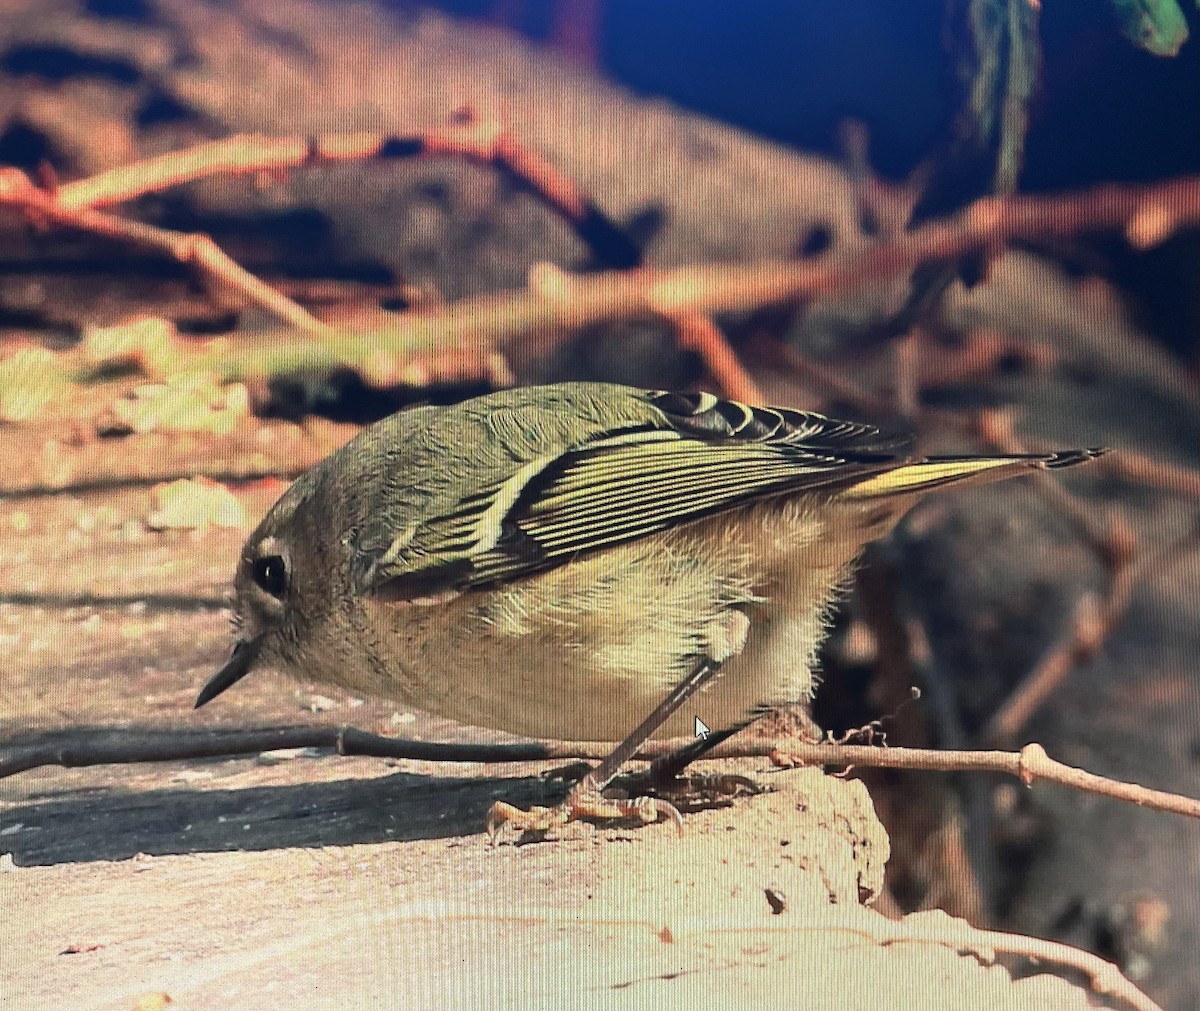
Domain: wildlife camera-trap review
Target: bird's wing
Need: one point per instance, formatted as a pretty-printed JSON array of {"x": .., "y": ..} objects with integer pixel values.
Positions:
[{"x": 704, "y": 456}]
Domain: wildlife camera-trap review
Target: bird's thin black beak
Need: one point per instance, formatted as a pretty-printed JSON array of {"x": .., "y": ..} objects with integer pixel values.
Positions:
[{"x": 236, "y": 667}]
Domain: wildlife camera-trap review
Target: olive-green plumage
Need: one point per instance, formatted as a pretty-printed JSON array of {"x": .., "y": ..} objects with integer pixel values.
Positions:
[{"x": 553, "y": 560}]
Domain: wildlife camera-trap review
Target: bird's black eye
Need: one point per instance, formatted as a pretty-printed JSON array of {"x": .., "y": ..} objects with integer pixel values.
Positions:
[{"x": 270, "y": 573}]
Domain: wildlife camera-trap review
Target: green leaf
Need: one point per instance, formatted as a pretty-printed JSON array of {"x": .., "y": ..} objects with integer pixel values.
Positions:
[{"x": 1157, "y": 26}]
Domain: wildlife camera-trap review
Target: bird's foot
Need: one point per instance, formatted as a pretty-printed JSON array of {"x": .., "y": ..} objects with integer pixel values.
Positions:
[
  {"x": 701, "y": 788},
  {"x": 783, "y": 760},
  {"x": 579, "y": 804},
  {"x": 572, "y": 773}
]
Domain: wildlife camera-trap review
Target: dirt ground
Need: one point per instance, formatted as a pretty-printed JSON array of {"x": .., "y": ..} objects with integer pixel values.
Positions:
[{"x": 302, "y": 880}]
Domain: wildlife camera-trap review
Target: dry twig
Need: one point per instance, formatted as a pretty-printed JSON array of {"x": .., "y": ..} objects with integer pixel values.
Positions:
[
  {"x": 491, "y": 320},
  {"x": 72, "y": 205},
  {"x": 1092, "y": 623},
  {"x": 17, "y": 190},
  {"x": 471, "y": 137},
  {"x": 1115, "y": 541},
  {"x": 79, "y": 748},
  {"x": 1157, "y": 473},
  {"x": 978, "y": 356}
]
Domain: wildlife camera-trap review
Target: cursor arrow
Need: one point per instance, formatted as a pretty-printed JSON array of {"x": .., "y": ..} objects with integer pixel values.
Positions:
[{"x": 701, "y": 730}]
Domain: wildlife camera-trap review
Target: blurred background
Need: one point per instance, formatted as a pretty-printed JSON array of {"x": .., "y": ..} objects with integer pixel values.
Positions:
[{"x": 1106, "y": 110}]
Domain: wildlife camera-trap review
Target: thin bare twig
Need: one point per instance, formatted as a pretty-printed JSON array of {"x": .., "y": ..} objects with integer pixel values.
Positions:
[
  {"x": 79, "y": 748},
  {"x": 72, "y": 205},
  {"x": 16, "y": 190},
  {"x": 981, "y": 351},
  {"x": 1093, "y": 621},
  {"x": 472, "y": 137},
  {"x": 489, "y": 321},
  {"x": 986, "y": 222},
  {"x": 1079, "y": 642},
  {"x": 830, "y": 381},
  {"x": 493, "y": 319},
  {"x": 906, "y": 355},
  {"x": 1112, "y": 537},
  {"x": 1031, "y": 764},
  {"x": 1172, "y": 477}
]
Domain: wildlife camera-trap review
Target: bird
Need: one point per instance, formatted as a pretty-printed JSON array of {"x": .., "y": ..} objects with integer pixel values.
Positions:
[{"x": 581, "y": 561}]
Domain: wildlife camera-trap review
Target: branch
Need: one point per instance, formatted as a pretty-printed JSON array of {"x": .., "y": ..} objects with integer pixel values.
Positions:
[
  {"x": 1105, "y": 978},
  {"x": 80, "y": 748},
  {"x": 18, "y": 191},
  {"x": 1171, "y": 477},
  {"x": 1093, "y": 621},
  {"x": 1149, "y": 214},
  {"x": 72, "y": 205},
  {"x": 575, "y": 302},
  {"x": 698, "y": 333},
  {"x": 470, "y": 137},
  {"x": 1031, "y": 764},
  {"x": 932, "y": 927}
]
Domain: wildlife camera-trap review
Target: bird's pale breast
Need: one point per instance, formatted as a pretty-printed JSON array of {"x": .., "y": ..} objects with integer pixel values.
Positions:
[{"x": 586, "y": 651}]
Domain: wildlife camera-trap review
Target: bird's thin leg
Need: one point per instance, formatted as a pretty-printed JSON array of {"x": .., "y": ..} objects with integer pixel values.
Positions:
[
  {"x": 664, "y": 775},
  {"x": 603, "y": 774},
  {"x": 667, "y": 768},
  {"x": 586, "y": 799}
]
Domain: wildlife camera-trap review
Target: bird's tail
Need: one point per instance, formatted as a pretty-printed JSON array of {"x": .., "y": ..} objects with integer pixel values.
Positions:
[{"x": 920, "y": 476}]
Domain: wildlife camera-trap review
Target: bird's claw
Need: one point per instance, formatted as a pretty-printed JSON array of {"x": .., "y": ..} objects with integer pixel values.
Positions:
[
  {"x": 728, "y": 784},
  {"x": 579, "y": 804},
  {"x": 786, "y": 760},
  {"x": 569, "y": 773},
  {"x": 698, "y": 788}
]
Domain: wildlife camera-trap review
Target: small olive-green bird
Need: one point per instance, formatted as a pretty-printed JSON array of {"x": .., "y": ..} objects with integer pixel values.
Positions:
[{"x": 579, "y": 561}]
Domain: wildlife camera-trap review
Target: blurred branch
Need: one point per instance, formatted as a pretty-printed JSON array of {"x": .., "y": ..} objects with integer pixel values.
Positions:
[
  {"x": 476, "y": 329},
  {"x": 43, "y": 206},
  {"x": 1149, "y": 214},
  {"x": 72, "y": 205},
  {"x": 697, "y": 332},
  {"x": 1092, "y": 623},
  {"x": 470, "y": 137},
  {"x": 1158, "y": 473},
  {"x": 567, "y": 303}
]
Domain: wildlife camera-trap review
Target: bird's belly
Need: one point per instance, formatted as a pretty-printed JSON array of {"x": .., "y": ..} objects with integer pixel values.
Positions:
[
  {"x": 587, "y": 651},
  {"x": 559, "y": 695}
]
